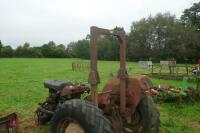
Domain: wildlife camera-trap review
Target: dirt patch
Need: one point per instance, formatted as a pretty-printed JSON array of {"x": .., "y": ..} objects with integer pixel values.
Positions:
[
  {"x": 195, "y": 123},
  {"x": 29, "y": 125}
]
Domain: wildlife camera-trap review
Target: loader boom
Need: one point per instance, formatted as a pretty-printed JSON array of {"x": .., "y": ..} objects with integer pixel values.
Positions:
[{"x": 94, "y": 79}]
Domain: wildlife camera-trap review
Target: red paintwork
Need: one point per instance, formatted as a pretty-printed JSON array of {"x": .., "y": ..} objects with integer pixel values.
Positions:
[
  {"x": 136, "y": 86},
  {"x": 104, "y": 98},
  {"x": 198, "y": 61},
  {"x": 68, "y": 90}
]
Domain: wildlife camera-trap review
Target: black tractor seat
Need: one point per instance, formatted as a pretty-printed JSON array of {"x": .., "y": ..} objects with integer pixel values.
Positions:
[{"x": 56, "y": 84}]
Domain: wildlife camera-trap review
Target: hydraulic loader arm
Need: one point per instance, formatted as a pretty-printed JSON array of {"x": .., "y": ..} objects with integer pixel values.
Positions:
[{"x": 94, "y": 79}]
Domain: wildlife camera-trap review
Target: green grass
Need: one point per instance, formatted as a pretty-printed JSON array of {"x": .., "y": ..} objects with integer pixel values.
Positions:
[{"x": 21, "y": 89}]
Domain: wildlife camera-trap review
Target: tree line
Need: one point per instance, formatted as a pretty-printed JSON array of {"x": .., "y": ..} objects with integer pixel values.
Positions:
[
  {"x": 162, "y": 36},
  {"x": 49, "y": 50}
]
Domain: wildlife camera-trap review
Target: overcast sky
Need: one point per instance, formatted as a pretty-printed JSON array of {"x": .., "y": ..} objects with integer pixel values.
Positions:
[{"x": 63, "y": 21}]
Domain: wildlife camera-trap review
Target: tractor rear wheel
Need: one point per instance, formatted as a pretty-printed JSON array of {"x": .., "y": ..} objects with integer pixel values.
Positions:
[
  {"x": 146, "y": 118},
  {"x": 79, "y": 116}
]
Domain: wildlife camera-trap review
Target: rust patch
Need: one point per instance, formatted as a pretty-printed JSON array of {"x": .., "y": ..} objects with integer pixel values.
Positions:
[{"x": 134, "y": 89}]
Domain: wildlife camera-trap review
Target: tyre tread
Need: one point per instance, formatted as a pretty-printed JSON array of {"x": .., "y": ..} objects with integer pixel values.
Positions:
[{"x": 83, "y": 112}]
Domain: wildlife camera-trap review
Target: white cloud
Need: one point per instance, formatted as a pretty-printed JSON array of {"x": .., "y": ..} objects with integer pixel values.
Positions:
[{"x": 39, "y": 21}]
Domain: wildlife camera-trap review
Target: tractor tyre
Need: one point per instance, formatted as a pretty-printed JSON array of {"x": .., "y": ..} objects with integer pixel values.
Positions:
[
  {"x": 79, "y": 116},
  {"x": 146, "y": 118},
  {"x": 43, "y": 118}
]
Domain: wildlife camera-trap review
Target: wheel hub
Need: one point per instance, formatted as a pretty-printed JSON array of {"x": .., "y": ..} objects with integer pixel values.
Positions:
[
  {"x": 74, "y": 128},
  {"x": 137, "y": 124},
  {"x": 68, "y": 125}
]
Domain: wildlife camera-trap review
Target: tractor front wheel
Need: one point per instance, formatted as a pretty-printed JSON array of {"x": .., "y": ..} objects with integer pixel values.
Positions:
[{"x": 79, "y": 116}]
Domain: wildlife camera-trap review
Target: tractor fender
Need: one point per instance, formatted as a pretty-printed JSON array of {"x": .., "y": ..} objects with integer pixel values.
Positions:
[{"x": 136, "y": 86}]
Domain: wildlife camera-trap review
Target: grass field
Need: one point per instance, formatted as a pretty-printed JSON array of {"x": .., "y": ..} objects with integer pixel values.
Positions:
[{"x": 21, "y": 89}]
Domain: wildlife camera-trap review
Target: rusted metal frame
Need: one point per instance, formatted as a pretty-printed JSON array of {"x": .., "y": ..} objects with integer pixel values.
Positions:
[
  {"x": 95, "y": 32},
  {"x": 94, "y": 76},
  {"x": 46, "y": 111},
  {"x": 122, "y": 73},
  {"x": 10, "y": 121}
]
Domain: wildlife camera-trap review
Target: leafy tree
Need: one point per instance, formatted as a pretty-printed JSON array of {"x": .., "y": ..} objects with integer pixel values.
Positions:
[
  {"x": 108, "y": 48},
  {"x": 6, "y": 51},
  {"x": 26, "y": 45},
  {"x": 35, "y": 52},
  {"x": 60, "y": 51},
  {"x": 1, "y": 46},
  {"x": 160, "y": 37},
  {"x": 48, "y": 49},
  {"x": 61, "y": 46},
  {"x": 27, "y": 51},
  {"x": 79, "y": 49},
  {"x": 191, "y": 16},
  {"x": 51, "y": 44}
]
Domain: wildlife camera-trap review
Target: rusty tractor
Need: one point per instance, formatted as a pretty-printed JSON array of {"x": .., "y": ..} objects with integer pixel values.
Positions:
[{"x": 122, "y": 107}]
